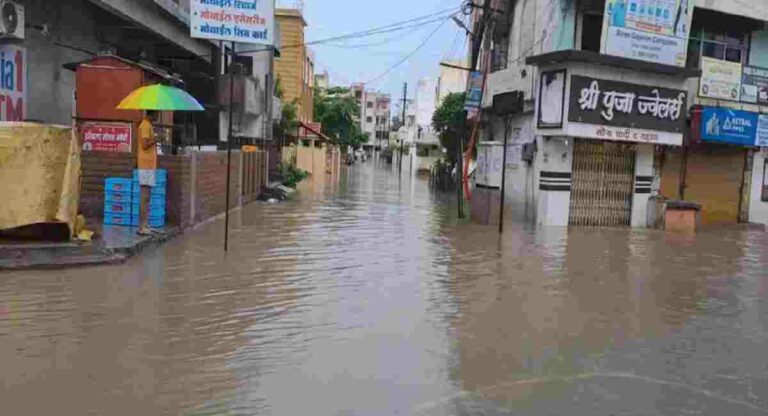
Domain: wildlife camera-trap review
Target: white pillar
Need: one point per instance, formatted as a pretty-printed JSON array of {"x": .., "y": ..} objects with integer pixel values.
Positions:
[{"x": 643, "y": 184}]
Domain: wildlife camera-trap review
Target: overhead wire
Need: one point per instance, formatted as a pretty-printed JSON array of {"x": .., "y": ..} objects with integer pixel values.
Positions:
[
  {"x": 379, "y": 43},
  {"x": 394, "y": 27},
  {"x": 409, "y": 55}
]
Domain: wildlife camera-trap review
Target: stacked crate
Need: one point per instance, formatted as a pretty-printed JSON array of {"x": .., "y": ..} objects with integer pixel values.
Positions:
[
  {"x": 118, "y": 201},
  {"x": 156, "y": 199},
  {"x": 123, "y": 196}
]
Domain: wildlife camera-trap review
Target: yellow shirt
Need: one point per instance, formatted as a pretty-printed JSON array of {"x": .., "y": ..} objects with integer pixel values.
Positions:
[{"x": 147, "y": 158}]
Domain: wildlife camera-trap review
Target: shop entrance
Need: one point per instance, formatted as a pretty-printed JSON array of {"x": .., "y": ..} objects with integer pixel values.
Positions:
[
  {"x": 711, "y": 174},
  {"x": 603, "y": 184}
]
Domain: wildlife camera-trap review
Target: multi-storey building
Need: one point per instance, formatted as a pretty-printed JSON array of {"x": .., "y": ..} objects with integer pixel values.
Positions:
[
  {"x": 374, "y": 111},
  {"x": 610, "y": 104},
  {"x": 295, "y": 67}
]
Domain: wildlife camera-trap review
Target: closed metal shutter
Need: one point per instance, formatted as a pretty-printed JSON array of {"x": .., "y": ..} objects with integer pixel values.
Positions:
[
  {"x": 603, "y": 184},
  {"x": 714, "y": 178}
]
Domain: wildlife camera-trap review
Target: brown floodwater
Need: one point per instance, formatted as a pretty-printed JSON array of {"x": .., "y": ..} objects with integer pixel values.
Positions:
[{"x": 370, "y": 298}]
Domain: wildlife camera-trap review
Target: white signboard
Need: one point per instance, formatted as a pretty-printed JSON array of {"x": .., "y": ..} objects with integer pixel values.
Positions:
[
  {"x": 241, "y": 21},
  {"x": 720, "y": 79},
  {"x": 623, "y": 134},
  {"x": 490, "y": 158},
  {"x": 648, "y": 30}
]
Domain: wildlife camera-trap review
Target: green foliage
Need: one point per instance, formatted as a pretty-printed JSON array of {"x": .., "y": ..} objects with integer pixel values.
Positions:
[
  {"x": 448, "y": 121},
  {"x": 292, "y": 175},
  {"x": 337, "y": 110},
  {"x": 289, "y": 121},
  {"x": 278, "y": 88}
]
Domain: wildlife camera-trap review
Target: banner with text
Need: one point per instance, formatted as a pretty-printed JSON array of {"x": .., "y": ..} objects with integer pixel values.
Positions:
[
  {"x": 754, "y": 85},
  {"x": 13, "y": 83},
  {"x": 724, "y": 125},
  {"x": 242, "y": 21},
  {"x": 106, "y": 137},
  {"x": 720, "y": 79},
  {"x": 620, "y": 104},
  {"x": 648, "y": 30}
]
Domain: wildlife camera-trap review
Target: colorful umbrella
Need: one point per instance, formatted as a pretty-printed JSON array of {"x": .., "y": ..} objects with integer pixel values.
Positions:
[{"x": 160, "y": 98}]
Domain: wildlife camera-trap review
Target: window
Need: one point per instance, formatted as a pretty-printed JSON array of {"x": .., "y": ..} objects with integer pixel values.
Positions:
[
  {"x": 370, "y": 104},
  {"x": 369, "y": 119},
  {"x": 591, "y": 32},
  {"x": 246, "y": 62},
  {"x": 720, "y": 36}
]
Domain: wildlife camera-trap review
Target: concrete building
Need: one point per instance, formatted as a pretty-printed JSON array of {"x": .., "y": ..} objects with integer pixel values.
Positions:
[
  {"x": 452, "y": 79},
  {"x": 599, "y": 127},
  {"x": 374, "y": 113},
  {"x": 60, "y": 33},
  {"x": 295, "y": 66},
  {"x": 71, "y": 65},
  {"x": 322, "y": 80}
]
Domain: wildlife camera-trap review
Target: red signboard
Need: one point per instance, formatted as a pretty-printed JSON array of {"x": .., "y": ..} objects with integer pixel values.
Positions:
[{"x": 107, "y": 137}]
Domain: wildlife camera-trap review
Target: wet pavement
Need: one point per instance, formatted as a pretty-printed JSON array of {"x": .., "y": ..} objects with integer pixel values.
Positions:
[{"x": 369, "y": 298}]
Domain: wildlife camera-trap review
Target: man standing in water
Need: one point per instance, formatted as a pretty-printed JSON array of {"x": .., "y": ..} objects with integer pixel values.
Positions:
[{"x": 147, "y": 166}]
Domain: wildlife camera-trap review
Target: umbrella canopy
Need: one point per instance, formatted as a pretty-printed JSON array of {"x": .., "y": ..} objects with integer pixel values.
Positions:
[{"x": 160, "y": 98}]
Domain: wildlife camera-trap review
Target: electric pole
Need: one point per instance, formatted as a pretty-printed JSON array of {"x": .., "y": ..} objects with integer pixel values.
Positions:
[{"x": 405, "y": 104}]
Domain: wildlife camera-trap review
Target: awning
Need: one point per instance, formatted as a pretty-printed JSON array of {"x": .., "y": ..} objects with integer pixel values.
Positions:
[{"x": 323, "y": 137}]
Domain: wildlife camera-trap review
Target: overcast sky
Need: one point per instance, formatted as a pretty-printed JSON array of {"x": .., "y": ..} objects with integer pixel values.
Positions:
[{"x": 364, "y": 59}]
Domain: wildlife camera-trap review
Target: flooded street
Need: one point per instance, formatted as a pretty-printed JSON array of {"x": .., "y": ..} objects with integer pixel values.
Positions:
[{"x": 371, "y": 299}]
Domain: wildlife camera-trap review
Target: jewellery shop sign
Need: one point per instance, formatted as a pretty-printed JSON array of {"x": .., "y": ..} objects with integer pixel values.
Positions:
[{"x": 619, "y": 111}]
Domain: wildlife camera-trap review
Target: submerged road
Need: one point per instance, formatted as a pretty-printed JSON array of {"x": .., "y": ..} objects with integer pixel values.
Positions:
[{"x": 370, "y": 298}]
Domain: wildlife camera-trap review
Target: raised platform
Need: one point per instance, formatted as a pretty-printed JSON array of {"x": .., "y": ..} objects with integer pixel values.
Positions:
[{"x": 112, "y": 245}]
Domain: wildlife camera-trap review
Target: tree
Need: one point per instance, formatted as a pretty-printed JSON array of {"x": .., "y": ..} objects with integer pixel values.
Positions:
[
  {"x": 337, "y": 110},
  {"x": 289, "y": 120},
  {"x": 448, "y": 122}
]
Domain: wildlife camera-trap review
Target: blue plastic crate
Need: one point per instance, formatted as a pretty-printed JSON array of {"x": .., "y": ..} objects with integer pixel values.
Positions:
[
  {"x": 114, "y": 207},
  {"x": 154, "y": 198},
  {"x": 154, "y": 209},
  {"x": 118, "y": 184},
  {"x": 159, "y": 187},
  {"x": 119, "y": 196},
  {"x": 118, "y": 219},
  {"x": 155, "y": 221}
]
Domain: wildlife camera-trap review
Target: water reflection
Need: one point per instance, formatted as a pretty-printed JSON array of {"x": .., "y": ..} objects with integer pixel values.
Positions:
[{"x": 367, "y": 297}]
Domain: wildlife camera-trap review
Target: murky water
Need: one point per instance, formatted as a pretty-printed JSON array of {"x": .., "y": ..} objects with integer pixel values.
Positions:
[{"x": 369, "y": 299}]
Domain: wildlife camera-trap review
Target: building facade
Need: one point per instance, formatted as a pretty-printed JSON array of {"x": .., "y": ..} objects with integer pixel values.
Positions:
[
  {"x": 374, "y": 113},
  {"x": 453, "y": 79},
  {"x": 295, "y": 66},
  {"x": 600, "y": 128}
]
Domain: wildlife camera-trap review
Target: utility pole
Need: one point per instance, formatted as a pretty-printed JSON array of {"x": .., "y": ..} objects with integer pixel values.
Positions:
[
  {"x": 400, "y": 150},
  {"x": 229, "y": 142}
]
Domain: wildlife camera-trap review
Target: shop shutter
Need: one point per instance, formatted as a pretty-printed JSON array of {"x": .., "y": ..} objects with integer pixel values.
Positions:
[
  {"x": 714, "y": 179},
  {"x": 603, "y": 184}
]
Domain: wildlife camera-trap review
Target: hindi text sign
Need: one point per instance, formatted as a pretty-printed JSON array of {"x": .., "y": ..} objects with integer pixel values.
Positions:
[
  {"x": 620, "y": 104},
  {"x": 107, "y": 137},
  {"x": 241, "y": 21}
]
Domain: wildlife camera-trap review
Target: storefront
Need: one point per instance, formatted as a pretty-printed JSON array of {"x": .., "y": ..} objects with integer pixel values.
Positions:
[
  {"x": 598, "y": 133},
  {"x": 715, "y": 166}
]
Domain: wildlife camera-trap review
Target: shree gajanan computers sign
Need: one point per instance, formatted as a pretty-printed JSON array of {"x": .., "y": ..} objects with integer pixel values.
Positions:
[
  {"x": 648, "y": 30},
  {"x": 13, "y": 83}
]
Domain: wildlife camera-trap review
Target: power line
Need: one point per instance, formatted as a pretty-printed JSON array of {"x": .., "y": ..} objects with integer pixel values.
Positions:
[
  {"x": 407, "y": 57},
  {"x": 415, "y": 29},
  {"x": 394, "y": 27}
]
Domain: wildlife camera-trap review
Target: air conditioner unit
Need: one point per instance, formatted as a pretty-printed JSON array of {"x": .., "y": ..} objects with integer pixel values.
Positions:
[{"x": 11, "y": 20}]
